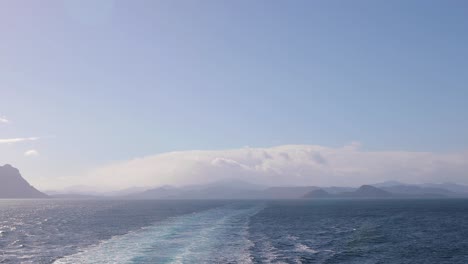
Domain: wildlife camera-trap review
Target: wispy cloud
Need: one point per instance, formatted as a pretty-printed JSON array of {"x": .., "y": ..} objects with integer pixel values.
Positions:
[
  {"x": 31, "y": 153},
  {"x": 4, "y": 120},
  {"x": 283, "y": 165},
  {"x": 16, "y": 140}
]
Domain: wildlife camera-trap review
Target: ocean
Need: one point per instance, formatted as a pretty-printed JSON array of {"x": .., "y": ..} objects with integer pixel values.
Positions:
[{"x": 289, "y": 231}]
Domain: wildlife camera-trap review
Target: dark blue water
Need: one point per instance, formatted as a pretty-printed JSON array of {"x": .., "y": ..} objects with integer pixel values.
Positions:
[
  {"x": 378, "y": 231},
  {"x": 326, "y": 231}
]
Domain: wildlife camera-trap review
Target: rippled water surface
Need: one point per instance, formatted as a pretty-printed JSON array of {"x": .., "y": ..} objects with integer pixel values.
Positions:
[{"x": 327, "y": 231}]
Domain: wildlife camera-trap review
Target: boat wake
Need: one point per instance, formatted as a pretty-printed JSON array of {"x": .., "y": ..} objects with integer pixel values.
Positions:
[{"x": 218, "y": 235}]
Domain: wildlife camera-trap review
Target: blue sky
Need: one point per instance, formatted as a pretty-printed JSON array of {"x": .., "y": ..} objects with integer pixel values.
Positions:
[{"x": 105, "y": 81}]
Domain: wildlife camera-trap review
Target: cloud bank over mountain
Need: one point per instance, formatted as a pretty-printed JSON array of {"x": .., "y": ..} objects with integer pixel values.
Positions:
[{"x": 281, "y": 165}]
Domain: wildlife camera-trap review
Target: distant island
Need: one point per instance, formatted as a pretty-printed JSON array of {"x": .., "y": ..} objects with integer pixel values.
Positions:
[{"x": 13, "y": 186}]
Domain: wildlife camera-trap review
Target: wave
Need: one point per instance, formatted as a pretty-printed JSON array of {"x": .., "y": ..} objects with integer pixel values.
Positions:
[
  {"x": 279, "y": 246},
  {"x": 303, "y": 248},
  {"x": 268, "y": 252},
  {"x": 218, "y": 235}
]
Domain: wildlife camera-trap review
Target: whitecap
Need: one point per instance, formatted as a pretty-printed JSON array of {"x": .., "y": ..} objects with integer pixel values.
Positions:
[
  {"x": 304, "y": 248},
  {"x": 268, "y": 252}
]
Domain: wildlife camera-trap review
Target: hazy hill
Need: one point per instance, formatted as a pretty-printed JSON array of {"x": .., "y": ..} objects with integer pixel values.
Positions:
[
  {"x": 226, "y": 189},
  {"x": 426, "y": 190},
  {"x": 366, "y": 191},
  {"x": 75, "y": 196},
  {"x": 388, "y": 184},
  {"x": 392, "y": 191},
  {"x": 319, "y": 193},
  {"x": 335, "y": 189},
  {"x": 453, "y": 187},
  {"x": 416, "y": 190},
  {"x": 165, "y": 192},
  {"x": 287, "y": 192},
  {"x": 13, "y": 186}
]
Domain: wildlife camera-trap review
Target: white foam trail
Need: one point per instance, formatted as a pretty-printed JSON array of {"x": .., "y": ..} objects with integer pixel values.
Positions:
[
  {"x": 303, "y": 248},
  {"x": 218, "y": 235},
  {"x": 268, "y": 252}
]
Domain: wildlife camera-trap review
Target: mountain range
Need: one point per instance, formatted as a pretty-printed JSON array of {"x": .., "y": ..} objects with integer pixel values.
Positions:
[
  {"x": 242, "y": 190},
  {"x": 12, "y": 185},
  {"x": 365, "y": 191}
]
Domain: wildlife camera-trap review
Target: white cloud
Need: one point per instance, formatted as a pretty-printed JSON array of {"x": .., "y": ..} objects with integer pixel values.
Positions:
[
  {"x": 4, "y": 120},
  {"x": 282, "y": 165},
  {"x": 31, "y": 153},
  {"x": 17, "y": 140}
]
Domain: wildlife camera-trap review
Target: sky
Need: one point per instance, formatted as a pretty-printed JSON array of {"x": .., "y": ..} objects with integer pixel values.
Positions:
[{"x": 88, "y": 88}]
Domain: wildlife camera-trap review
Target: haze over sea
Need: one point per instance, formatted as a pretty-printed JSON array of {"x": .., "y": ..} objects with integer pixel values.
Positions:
[{"x": 294, "y": 231}]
